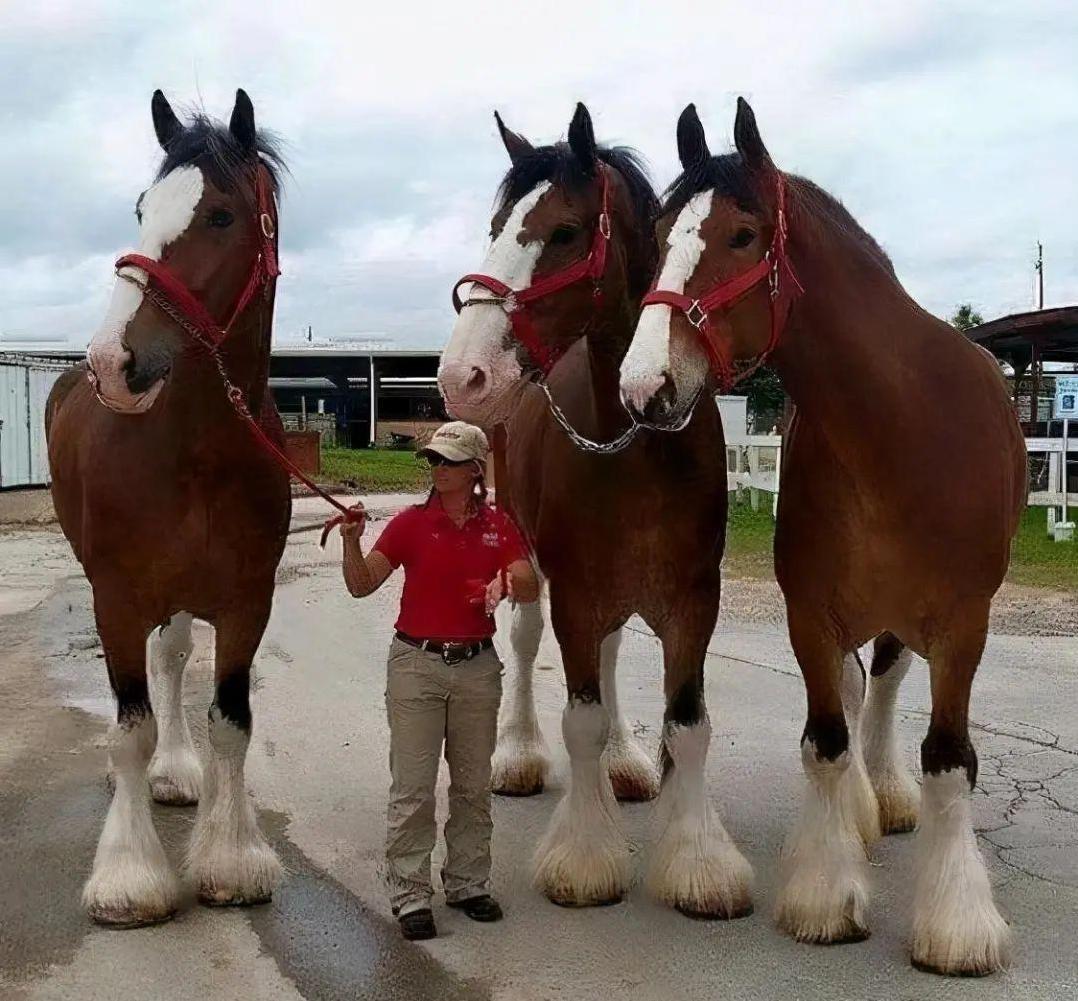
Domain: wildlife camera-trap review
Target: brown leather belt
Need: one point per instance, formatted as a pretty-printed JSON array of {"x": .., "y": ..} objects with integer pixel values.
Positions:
[{"x": 451, "y": 651}]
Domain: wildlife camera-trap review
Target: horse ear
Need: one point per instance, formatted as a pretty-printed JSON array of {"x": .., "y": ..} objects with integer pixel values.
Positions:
[
  {"x": 747, "y": 139},
  {"x": 691, "y": 141},
  {"x": 582, "y": 138},
  {"x": 165, "y": 123},
  {"x": 515, "y": 145},
  {"x": 242, "y": 123}
]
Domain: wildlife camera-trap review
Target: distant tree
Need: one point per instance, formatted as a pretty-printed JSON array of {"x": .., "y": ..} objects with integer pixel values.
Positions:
[
  {"x": 966, "y": 317},
  {"x": 766, "y": 398}
]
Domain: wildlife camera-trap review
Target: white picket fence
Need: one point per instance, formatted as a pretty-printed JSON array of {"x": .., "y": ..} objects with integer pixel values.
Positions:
[
  {"x": 753, "y": 461},
  {"x": 752, "y": 464}
]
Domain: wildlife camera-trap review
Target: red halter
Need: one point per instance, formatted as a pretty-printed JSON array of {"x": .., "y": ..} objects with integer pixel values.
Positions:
[
  {"x": 515, "y": 302},
  {"x": 726, "y": 293},
  {"x": 170, "y": 294}
]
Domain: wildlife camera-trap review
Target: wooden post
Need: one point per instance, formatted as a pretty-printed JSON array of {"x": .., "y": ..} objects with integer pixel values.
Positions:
[
  {"x": 1034, "y": 409},
  {"x": 754, "y": 472}
]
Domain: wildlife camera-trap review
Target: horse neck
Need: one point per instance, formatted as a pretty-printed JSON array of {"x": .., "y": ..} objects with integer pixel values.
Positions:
[
  {"x": 608, "y": 339},
  {"x": 245, "y": 355},
  {"x": 851, "y": 338}
]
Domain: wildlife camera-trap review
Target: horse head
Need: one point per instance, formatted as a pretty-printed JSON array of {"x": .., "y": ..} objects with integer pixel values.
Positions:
[
  {"x": 569, "y": 237},
  {"x": 203, "y": 229},
  {"x": 719, "y": 229}
]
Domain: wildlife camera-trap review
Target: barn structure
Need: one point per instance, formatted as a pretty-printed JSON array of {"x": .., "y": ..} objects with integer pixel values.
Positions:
[{"x": 358, "y": 396}]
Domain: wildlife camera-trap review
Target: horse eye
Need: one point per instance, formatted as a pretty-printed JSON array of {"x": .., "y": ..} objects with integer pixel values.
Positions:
[
  {"x": 742, "y": 238},
  {"x": 563, "y": 235},
  {"x": 221, "y": 218},
  {"x": 138, "y": 215}
]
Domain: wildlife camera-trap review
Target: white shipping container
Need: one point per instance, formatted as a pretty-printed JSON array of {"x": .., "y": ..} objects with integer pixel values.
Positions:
[{"x": 24, "y": 388}]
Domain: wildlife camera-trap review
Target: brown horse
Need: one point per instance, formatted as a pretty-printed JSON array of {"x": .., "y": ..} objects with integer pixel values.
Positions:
[
  {"x": 174, "y": 512},
  {"x": 903, "y": 479},
  {"x": 640, "y": 531}
]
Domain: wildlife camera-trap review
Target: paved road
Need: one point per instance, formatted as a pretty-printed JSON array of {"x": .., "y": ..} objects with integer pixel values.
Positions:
[{"x": 317, "y": 771}]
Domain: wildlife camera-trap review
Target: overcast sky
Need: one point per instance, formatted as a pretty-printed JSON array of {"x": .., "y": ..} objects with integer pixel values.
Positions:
[{"x": 950, "y": 130}]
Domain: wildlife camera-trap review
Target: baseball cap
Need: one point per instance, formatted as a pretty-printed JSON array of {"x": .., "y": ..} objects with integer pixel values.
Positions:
[{"x": 458, "y": 442}]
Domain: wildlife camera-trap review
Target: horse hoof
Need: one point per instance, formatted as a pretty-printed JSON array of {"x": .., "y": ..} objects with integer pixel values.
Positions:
[
  {"x": 224, "y": 898},
  {"x": 168, "y": 793},
  {"x": 123, "y": 918},
  {"x": 740, "y": 912},
  {"x": 571, "y": 902},
  {"x": 519, "y": 793},
  {"x": 849, "y": 936},
  {"x": 939, "y": 971},
  {"x": 634, "y": 788}
]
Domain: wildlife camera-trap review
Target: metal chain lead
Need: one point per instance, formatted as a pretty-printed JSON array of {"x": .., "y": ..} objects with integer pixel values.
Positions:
[{"x": 586, "y": 444}]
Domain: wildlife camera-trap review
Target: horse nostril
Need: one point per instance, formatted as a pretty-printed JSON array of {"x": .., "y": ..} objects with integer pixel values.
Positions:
[
  {"x": 662, "y": 403},
  {"x": 140, "y": 373},
  {"x": 476, "y": 381}
]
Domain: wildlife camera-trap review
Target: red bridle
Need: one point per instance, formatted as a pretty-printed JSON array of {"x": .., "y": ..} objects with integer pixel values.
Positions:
[
  {"x": 730, "y": 291},
  {"x": 515, "y": 302},
  {"x": 167, "y": 292}
]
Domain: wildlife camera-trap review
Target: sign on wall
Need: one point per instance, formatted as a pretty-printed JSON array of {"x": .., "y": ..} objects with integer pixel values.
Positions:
[{"x": 1067, "y": 396}]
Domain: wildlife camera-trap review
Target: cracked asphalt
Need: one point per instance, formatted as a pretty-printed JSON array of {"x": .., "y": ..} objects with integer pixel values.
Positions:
[{"x": 318, "y": 775}]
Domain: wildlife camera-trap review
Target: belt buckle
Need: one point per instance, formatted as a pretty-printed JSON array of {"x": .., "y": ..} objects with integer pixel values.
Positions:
[{"x": 451, "y": 659}]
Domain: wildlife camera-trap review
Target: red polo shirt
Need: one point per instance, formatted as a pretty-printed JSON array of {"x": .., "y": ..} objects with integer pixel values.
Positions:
[{"x": 442, "y": 564}]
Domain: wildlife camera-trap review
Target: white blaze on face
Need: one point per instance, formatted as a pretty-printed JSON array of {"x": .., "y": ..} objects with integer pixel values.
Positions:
[
  {"x": 167, "y": 210},
  {"x": 648, "y": 358},
  {"x": 477, "y": 368}
]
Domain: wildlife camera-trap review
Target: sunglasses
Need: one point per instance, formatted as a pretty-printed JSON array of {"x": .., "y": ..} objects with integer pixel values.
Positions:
[{"x": 434, "y": 459}]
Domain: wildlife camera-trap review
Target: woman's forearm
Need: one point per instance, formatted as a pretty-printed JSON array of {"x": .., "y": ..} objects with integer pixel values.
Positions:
[{"x": 363, "y": 575}]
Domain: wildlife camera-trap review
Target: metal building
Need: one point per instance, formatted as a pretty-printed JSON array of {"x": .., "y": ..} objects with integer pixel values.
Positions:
[{"x": 25, "y": 382}]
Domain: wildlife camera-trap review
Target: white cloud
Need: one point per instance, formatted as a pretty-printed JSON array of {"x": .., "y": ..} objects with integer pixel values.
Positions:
[{"x": 949, "y": 130}]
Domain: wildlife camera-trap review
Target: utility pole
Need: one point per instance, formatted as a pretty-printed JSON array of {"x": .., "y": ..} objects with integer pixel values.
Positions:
[{"x": 1039, "y": 266}]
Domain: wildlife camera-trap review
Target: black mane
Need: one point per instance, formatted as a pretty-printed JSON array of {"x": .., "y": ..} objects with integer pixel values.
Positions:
[
  {"x": 209, "y": 145},
  {"x": 730, "y": 178},
  {"x": 559, "y": 165}
]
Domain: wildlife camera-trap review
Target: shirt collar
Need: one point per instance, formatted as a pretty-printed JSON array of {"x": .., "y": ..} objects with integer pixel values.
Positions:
[{"x": 441, "y": 513}]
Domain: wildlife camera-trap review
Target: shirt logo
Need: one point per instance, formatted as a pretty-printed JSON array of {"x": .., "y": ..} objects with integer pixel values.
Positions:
[{"x": 490, "y": 538}]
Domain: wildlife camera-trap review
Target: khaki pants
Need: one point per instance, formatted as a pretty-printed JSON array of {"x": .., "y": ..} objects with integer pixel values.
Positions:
[{"x": 429, "y": 703}]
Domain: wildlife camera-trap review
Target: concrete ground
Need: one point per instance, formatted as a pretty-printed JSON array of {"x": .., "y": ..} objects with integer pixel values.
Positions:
[{"x": 317, "y": 771}]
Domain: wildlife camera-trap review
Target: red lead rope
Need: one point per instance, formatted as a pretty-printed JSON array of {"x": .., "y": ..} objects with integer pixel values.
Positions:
[{"x": 165, "y": 290}]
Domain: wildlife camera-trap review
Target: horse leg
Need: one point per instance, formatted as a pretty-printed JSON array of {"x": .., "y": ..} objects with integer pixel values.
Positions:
[
  {"x": 895, "y": 788},
  {"x": 175, "y": 772},
  {"x": 520, "y": 762},
  {"x": 632, "y": 773},
  {"x": 132, "y": 882},
  {"x": 228, "y": 858},
  {"x": 695, "y": 867},
  {"x": 583, "y": 859},
  {"x": 824, "y": 893},
  {"x": 854, "y": 685},
  {"x": 956, "y": 926},
  {"x": 549, "y": 656}
]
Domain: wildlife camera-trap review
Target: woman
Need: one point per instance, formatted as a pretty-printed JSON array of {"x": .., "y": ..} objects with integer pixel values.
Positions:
[{"x": 460, "y": 558}]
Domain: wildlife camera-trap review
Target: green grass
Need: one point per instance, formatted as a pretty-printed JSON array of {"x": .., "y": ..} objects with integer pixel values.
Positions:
[
  {"x": 374, "y": 470},
  {"x": 750, "y": 536},
  {"x": 1036, "y": 559}
]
